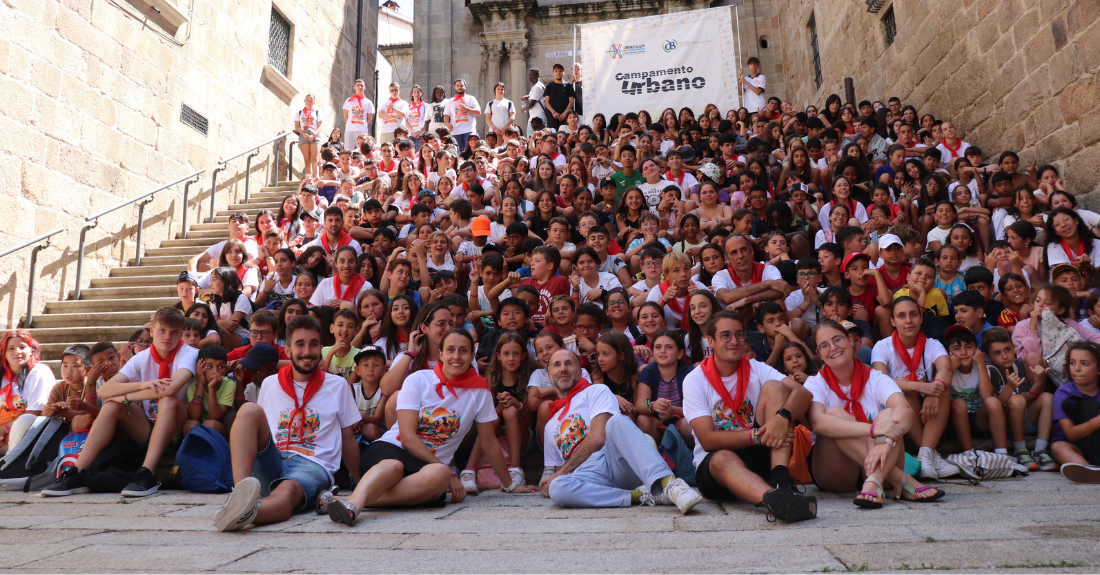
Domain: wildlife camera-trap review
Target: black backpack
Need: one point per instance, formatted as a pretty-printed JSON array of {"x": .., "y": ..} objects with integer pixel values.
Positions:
[
  {"x": 115, "y": 467},
  {"x": 1080, "y": 410},
  {"x": 36, "y": 450}
]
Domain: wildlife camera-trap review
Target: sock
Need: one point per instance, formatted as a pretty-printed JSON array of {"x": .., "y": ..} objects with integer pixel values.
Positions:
[
  {"x": 1000, "y": 450},
  {"x": 635, "y": 496},
  {"x": 513, "y": 469},
  {"x": 665, "y": 480},
  {"x": 1019, "y": 446},
  {"x": 778, "y": 472},
  {"x": 1041, "y": 445}
]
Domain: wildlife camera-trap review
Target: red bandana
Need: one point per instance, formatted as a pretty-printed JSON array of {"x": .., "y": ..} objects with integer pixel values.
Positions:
[
  {"x": 562, "y": 404},
  {"x": 744, "y": 371},
  {"x": 286, "y": 382},
  {"x": 241, "y": 272},
  {"x": 860, "y": 376},
  {"x": 679, "y": 181},
  {"x": 911, "y": 361},
  {"x": 1069, "y": 252},
  {"x": 382, "y": 165},
  {"x": 954, "y": 151},
  {"x": 468, "y": 380},
  {"x": 757, "y": 274},
  {"x": 164, "y": 365},
  {"x": 392, "y": 99},
  {"x": 673, "y": 303},
  {"x": 349, "y": 290},
  {"x": 344, "y": 240}
]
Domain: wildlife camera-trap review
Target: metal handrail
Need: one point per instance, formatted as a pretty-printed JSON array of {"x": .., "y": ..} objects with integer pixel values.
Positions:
[
  {"x": 253, "y": 152},
  {"x": 34, "y": 265},
  {"x": 93, "y": 220}
]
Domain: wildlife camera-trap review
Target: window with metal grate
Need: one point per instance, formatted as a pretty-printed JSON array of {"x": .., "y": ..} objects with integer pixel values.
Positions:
[
  {"x": 278, "y": 43},
  {"x": 817, "y": 55},
  {"x": 194, "y": 119},
  {"x": 889, "y": 26}
]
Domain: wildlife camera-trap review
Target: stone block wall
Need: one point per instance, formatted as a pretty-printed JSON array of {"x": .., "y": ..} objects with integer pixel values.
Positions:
[
  {"x": 91, "y": 116},
  {"x": 1013, "y": 74}
]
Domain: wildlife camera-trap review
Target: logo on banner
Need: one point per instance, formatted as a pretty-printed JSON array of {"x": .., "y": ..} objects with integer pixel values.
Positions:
[
  {"x": 617, "y": 51},
  {"x": 670, "y": 45}
]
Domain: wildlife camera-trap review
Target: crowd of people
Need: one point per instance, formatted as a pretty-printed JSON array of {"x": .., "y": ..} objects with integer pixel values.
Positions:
[{"x": 790, "y": 296}]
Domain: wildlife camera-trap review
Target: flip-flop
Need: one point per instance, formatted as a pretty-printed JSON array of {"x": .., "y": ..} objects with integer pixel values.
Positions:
[
  {"x": 912, "y": 491},
  {"x": 867, "y": 503}
]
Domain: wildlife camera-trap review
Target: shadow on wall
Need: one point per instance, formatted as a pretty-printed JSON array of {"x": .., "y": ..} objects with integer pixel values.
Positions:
[{"x": 342, "y": 75}]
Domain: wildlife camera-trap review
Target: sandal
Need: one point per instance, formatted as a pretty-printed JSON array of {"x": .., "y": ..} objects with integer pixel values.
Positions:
[
  {"x": 867, "y": 503},
  {"x": 904, "y": 489}
]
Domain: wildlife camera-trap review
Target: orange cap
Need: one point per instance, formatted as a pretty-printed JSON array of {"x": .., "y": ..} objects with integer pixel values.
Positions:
[{"x": 480, "y": 226}]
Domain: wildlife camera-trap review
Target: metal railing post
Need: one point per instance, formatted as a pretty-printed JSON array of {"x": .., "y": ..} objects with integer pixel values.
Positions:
[
  {"x": 186, "y": 192},
  {"x": 213, "y": 190},
  {"x": 248, "y": 172},
  {"x": 30, "y": 283},
  {"x": 278, "y": 160},
  {"x": 289, "y": 161},
  {"x": 80, "y": 255},
  {"x": 141, "y": 227}
]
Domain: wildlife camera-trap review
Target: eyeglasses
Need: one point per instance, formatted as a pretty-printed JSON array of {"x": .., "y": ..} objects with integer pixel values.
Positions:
[
  {"x": 807, "y": 275},
  {"x": 651, "y": 264},
  {"x": 260, "y": 333},
  {"x": 444, "y": 324},
  {"x": 835, "y": 342},
  {"x": 727, "y": 336},
  {"x": 143, "y": 342},
  {"x": 617, "y": 303}
]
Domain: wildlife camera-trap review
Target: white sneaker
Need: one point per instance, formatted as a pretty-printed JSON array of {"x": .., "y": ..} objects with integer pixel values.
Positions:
[
  {"x": 547, "y": 472},
  {"x": 240, "y": 507},
  {"x": 680, "y": 494},
  {"x": 647, "y": 498},
  {"x": 943, "y": 467},
  {"x": 927, "y": 468},
  {"x": 467, "y": 479},
  {"x": 518, "y": 478}
]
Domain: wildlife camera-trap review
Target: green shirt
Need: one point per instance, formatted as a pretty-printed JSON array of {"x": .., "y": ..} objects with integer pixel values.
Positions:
[
  {"x": 623, "y": 182},
  {"x": 342, "y": 366},
  {"x": 225, "y": 396}
]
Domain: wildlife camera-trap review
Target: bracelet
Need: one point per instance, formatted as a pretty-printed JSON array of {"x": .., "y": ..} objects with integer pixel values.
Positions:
[
  {"x": 752, "y": 299},
  {"x": 872, "y": 429},
  {"x": 410, "y": 354},
  {"x": 649, "y": 405},
  {"x": 754, "y": 436},
  {"x": 1033, "y": 393},
  {"x": 510, "y": 488}
]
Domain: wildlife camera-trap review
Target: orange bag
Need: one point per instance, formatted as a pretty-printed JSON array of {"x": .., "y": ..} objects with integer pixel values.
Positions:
[{"x": 803, "y": 443}]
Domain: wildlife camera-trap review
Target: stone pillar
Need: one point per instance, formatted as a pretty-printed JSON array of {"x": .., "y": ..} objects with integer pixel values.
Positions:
[
  {"x": 491, "y": 52},
  {"x": 518, "y": 86}
]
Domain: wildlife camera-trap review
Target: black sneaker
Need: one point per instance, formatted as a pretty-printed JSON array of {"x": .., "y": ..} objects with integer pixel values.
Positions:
[
  {"x": 143, "y": 485},
  {"x": 788, "y": 483},
  {"x": 789, "y": 506},
  {"x": 70, "y": 482}
]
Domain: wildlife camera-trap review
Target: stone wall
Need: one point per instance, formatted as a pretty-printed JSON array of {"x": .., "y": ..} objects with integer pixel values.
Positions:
[
  {"x": 91, "y": 116},
  {"x": 1013, "y": 74}
]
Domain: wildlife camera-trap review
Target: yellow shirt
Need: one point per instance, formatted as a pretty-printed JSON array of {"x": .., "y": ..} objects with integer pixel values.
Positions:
[{"x": 934, "y": 300}]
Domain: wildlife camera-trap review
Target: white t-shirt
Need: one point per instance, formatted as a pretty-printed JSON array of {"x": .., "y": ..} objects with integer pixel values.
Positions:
[
  {"x": 469, "y": 249},
  {"x": 937, "y": 234},
  {"x": 383, "y": 342},
  {"x": 498, "y": 111},
  {"x": 945, "y": 154},
  {"x": 251, "y": 278},
  {"x": 685, "y": 182},
  {"x": 564, "y": 432},
  {"x": 605, "y": 282},
  {"x": 358, "y": 109},
  {"x": 701, "y": 400},
  {"x": 35, "y": 391},
  {"x": 672, "y": 317},
  {"x": 317, "y": 242},
  {"x": 1056, "y": 255},
  {"x": 878, "y": 389},
  {"x": 462, "y": 121},
  {"x": 652, "y": 193},
  {"x": 860, "y": 215},
  {"x": 225, "y": 311},
  {"x": 541, "y": 377},
  {"x": 142, "y": 368},
  {"x": 797, "y": 298},
  {"x": 433, "y": 177},
  {"x": 309, "y": 120},
  {"x": 703, "y": 343},
  {"x": 280, "y": 293},
  {"x": 215, "y": 251},
  {"x": 535, "y": 95},
  {"x": 326, "y": 292},
  {"x": 388, "y": 125},
  {"x": 328, "y": 412},
  {"x": 753, "y": 102},
  {"x": 443, "y": 422},
  {"x": 483, "y": 300},
  {"x": 417, "y": 115},
  {"x": 884, "y": 353},
  {"x": 722, "y": 280}
]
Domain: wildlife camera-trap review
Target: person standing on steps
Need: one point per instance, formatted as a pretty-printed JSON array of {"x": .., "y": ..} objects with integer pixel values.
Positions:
[
  {"x": 753, "y": 86},
  {"x": 458, "y": 114},
  {"x": 500, "y": 113},
  {"x": 532, "y": 102},
  {"x": 392, "y": 112},
  {"x": 307, "y": 124},
  {"x": 558, "y": 99},
  {"x": 358, "y": 113}
]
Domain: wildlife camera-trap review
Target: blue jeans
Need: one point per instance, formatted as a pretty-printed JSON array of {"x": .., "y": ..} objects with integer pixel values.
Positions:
[
  {"x": 272, "y": 467},
  {"x": 461, "y": 139}
]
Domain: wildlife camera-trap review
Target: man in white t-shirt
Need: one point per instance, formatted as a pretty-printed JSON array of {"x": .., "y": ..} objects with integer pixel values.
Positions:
[
  {"x": 459, "y": 115},
  {"x": 532, "y": 102},
  {"x": 753, "y": 86},
  {"x": 358, "y": 113},
  {"x": 286, "y": 446},
  {"x": 334, "y": 236},
  {"x": 602, "y": 458},
  {"x": 392, "y": 112},
  {"x": 746, "y": 279},
  {"x": 238, "y": 228},
  {"x": 144, "y": 400},
  {"x": 741, "y": 413}
]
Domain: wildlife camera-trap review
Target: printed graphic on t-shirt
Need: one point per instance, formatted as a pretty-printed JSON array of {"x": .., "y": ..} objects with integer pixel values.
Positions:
[
  {"x": 152, "y": 408},
  {"x": 570, "y": 434},
  {"x": 724, "y": 419},
  {"x": 461, "y": 114},
  {"x": 437, "y": 427},
  {"x": 302, "y": 437}
]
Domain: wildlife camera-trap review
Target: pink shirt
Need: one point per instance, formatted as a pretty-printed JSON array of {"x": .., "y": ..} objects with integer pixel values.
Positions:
[{"x": 1026, "y": 340}]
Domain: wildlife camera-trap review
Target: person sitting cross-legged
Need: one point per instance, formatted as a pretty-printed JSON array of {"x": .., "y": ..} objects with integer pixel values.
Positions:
[
  {"x": 736, "y": 448},
  {"x": 602, "y": 458},
  {"x": 286, "y": 446}
]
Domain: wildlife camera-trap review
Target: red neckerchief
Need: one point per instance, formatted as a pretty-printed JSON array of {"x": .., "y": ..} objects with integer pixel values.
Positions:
[
  {"x": 744, "y": 372},
  {"x": 307, "y": 115},
  {"x": 860, "y": 376},
  {"x": 1069, "y": 252},
  {"x": 468, "y": 380},
  {"x": 382, "y": 165},
  {"x": 349, "y": 290},
  {"x": 757, "y": 274},
  {"x": 675, "y": 305},
  {"x": 402, "y": 338},
  {"x": 242, "y": 270},
  {"x": 562, "y": 404},
  {"x": 345, "y": 239},
  {"x": 555, "y": 157},
  {"x": 953, "y": 151},
  {"x": 164, "y": 366},
  {"x": 286, "y": 382},
  {"x": 419, "y": 110},
  {"x": 911, "y": 361},
  {"x": 392, "y": 99},
  {"x": 679, "y": 181}
]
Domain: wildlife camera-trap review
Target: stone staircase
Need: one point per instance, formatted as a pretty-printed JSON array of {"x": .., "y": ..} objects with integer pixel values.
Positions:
[{"x": 112, "y": 308}]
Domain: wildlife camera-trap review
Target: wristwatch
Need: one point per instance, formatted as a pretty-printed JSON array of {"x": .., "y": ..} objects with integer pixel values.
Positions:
[{"x": 784, "y": 413}]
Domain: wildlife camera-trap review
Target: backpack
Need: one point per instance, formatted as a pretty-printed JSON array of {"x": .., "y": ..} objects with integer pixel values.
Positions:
[
  {"x": 204, "y": 463},
  {"x": 981, "y": 465},
  {"x": 70, "y": 447},
  {"x": 36, "y": 450},
  {"x": 1080, "y": 410},
  {"x": 113, "y": 469}
]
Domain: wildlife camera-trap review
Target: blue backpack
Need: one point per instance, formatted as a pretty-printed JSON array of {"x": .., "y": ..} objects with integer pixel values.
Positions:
[{"x": 204, "y": 463}]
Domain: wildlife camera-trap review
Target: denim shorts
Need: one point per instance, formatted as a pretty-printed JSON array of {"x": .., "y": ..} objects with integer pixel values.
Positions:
[{"x": 273, "y": 466}]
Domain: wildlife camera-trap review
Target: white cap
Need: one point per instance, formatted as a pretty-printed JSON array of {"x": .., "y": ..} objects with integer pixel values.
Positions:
[{"x": 887, "y": 240}]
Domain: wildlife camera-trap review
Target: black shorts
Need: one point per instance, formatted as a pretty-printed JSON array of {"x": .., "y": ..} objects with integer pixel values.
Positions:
[
  {"x": 975, "y": 431},
  {"x": 380, "y": 451},
  {"x": 757, "y": 458}
]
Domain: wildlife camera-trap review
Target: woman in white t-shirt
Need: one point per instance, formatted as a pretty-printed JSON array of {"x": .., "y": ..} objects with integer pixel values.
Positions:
[
  {"x": 231, "y": 307},
  {"x": 307, "y": 124},
  {"x": 436, "y": 408},
  {"x": 589, "y": 282},
  {"x": 860, "y": 417},
  {"x": 654, "y": 184},
  {"x": 1070, "y": 241},
  {"x": 24, "y": 387}
]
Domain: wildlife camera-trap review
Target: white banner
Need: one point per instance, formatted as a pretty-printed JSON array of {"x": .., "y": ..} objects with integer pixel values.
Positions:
[{"x": 683, "y": 59}]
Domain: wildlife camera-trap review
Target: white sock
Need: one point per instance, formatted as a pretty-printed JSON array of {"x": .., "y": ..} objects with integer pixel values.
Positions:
[
  {"x": 1019, "y": 446},
  {"x": 1000, "y": 450},
  {"x": 513, "y": 469},
  {"x": 1040, "y": 445}
]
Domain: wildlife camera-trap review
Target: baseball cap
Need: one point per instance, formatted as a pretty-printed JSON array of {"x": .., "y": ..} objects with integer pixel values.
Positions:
[
  {"x": 260, "y": 354},
  {"x": 607, "y": 182},
  {"x": 425, "y": 193},
  {"x": 1058, "y": 269},
  {"x": 329, "y": 166},
  {"x": 854, "y": 256},
  {"x": 187, "y": 275},
  {"x": 955, "y": 328},
  {"x": 887, "y": 240},
  {"x": 368, "y": 351},
  {"x": 850, "y": 326},
  {"x": 314, "y": 213},
  {"x": 480, "y": 226},
  {"x": 687, "y": 153}
]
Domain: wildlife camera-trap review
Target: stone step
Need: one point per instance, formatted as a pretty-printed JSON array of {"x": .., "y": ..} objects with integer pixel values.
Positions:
[
  {"x": 135, "y": 281},
  {"x": 51, "y": 352},
  {"x": 279, "y": 195},
  {"x": 163, "y": 260},
  {"x": 189, "y": 251},
  {"x": 254, "y": 204},
  {"x": 192, "y": 241},
  {"x": 66, "y": 335},
  {"x": 105, "y": 305},
  {"x": 146, "y": 270},
  {"x": 92, "y": 319},
  {"x": 213, "y": 234},
  {"x": 143, "y": 292}
]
